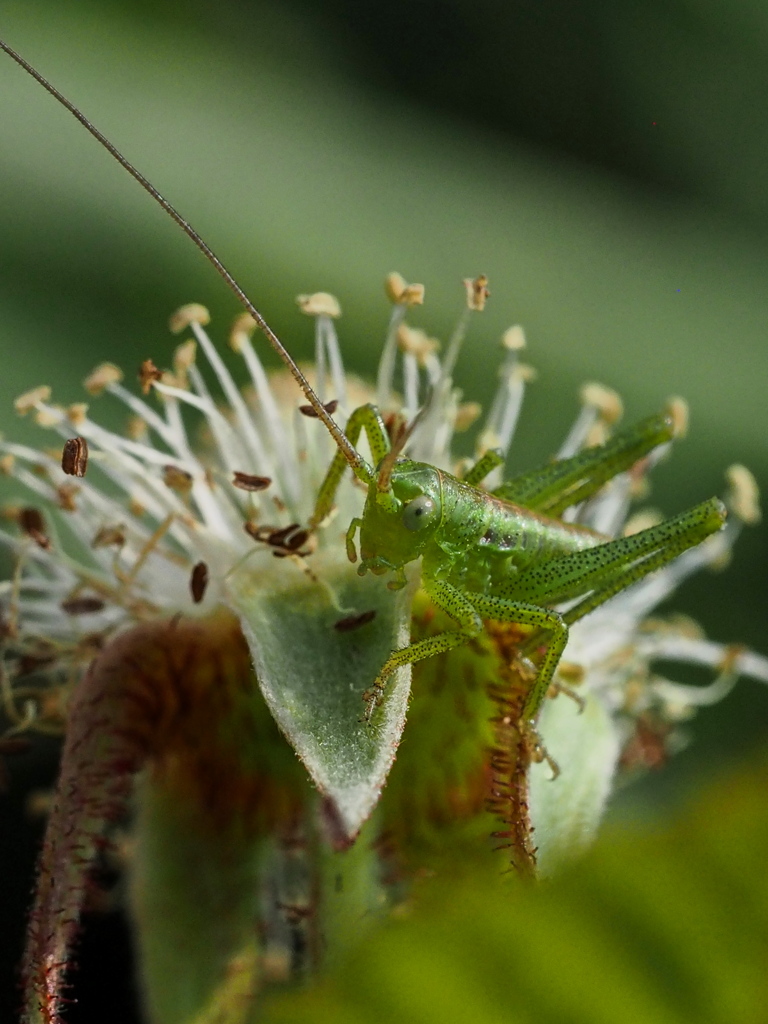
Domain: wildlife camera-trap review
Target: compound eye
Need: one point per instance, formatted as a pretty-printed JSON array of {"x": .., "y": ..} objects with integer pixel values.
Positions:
[{"x": 419, "y": 513}]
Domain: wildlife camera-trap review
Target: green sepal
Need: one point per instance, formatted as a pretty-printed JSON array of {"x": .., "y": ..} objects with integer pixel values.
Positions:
[{"x": 314, "y": 669}]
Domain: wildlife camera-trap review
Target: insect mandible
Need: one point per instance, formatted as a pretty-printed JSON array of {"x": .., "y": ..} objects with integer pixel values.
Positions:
[{"x": 504, "y": 555}]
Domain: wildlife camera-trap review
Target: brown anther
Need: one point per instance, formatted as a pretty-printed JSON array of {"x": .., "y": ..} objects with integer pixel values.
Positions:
[
  {"x": 319, "y": 304},
  {"x": 289, "y": 537},
  {"x": 101, "y": 377},
  {"x": 31, "y": 522},
  {"x": 401, "y": 293},
  {"x": 148, "y": 374},
  {"x": 330, "y": 408},
  {"x": 353, "y": 622},
  {"x": 30, "y": 399},
  {"x": 477, "y": 292},
  {"x": 177, "y": 479},
  {"x": 198, "y": 582},
  {"x": 248, "y": 482},
  {"x": 74, "y": 457},
  {"x": 109, "y": 537},
  {"x": 192, "y": 313},
  {"x": 7, "y": 462},
  {"x": 82, "y": 605}
]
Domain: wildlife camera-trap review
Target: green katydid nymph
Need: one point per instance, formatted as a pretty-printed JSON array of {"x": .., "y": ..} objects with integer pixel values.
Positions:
[{"x": 505, "y": 554}]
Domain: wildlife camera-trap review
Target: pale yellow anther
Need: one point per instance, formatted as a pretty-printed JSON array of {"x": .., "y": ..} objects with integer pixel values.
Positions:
[
  {"x": 743, "y": 497},
  {"x": 136, "y": 508},
  {"x": 65, "y": 497},
  {"x": 477, "y": 292},
  {"x": 136, "y": 428},
  {"x": 100, "y": 378},
  {"x": 642, "y": 520},
  {"x": 394, "y": 285},
  {"x": 524, "y": 372},
  {"x": 319, "y": 304},
  {"x": 31, "y": 399},
  {"x": 7, "y": 462},
  {"x": 466, "y": 415},
  {"x": 10, "y": 513},
  {"x": 242, "y": 329},
  {"x": 172, "y": 380},
  {"x": 513, "y": 339},
  {"x": 401, "y": 293},
  {"x": 677, "y": 408},
  {"x": 49, "y": 417},
  {"x": 487, "y": 440},
  {"x": 597, "y": 434},
  {"x": 177, "y": 479},
  {"x": 417, "y": 342},
  {"x": 184, "y": 356},
  {"x": 604, "y": 400},
  {"x": 639, "y": 486},
  {"x": 192, "y": 313},
  {"x": 77, "y": 413}
]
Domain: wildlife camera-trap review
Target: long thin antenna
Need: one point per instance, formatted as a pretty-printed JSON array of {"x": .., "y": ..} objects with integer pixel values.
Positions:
[{"x": 348, "y": 450}]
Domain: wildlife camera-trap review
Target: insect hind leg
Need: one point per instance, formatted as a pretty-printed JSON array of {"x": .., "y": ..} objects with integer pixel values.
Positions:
[
  {"x": 604, "y": 571},
  {"x": 485, "y": 464}
]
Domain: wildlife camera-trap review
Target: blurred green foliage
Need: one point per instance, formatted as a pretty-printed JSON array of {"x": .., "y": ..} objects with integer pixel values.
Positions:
[{"x": 661, "y": 928}]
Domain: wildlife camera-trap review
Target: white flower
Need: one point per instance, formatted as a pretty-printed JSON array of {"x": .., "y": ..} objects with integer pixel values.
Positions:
[{"x": 187, "y": 510}]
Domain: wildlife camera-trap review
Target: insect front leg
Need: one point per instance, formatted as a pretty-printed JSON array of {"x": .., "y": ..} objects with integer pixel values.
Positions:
[
  {"x": 469, "y": 612},
  {"x": 457, "y": 605},
  {"x": 546, "y": 620},
  {"x": 367, "y": 418}
]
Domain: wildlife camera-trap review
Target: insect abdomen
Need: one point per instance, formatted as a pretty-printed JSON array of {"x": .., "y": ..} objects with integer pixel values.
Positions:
[{"x": 491, "y": 536}]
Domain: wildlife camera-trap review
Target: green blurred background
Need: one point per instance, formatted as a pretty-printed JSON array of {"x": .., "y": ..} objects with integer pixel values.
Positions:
[{"x": 605, "y": 164}]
